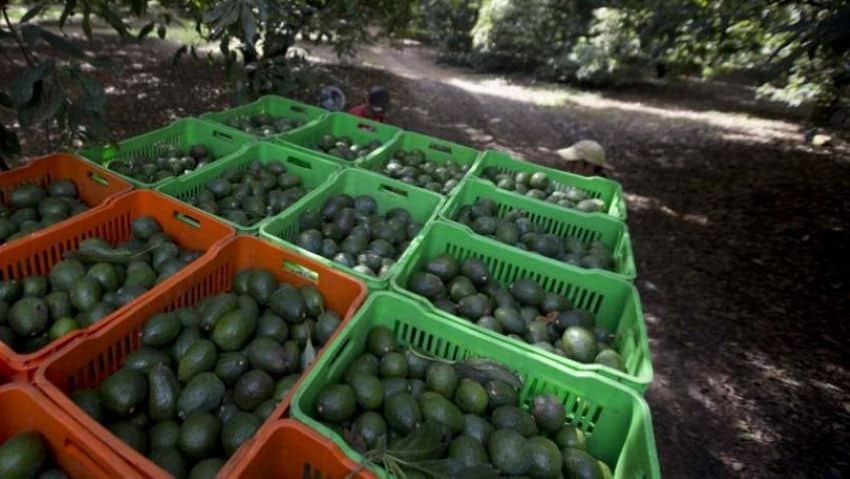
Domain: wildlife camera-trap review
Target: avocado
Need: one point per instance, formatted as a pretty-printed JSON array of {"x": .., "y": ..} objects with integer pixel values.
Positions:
[
  {"x": 26, "y": 196},
  {"x": 326, "y": 325},
  {"x": 441, "y": 378},
  {"x": 527, "y": 292},
  {"x": 509, "y": 319},
  {"x": 610, "y": 358},
  {"x": 34, "y": 286},
  {"x": 199, "y": 435},
  {"x": 544, "y": 457},
  {"x": 203, "y": 393},
  {"x": 131, "y": 434},
  {"x": 471, "y": 397},
  {"x": 436, "y": 407},
  {"x": 268, "y": 355},
  {"x": 368, "y": 390},
  {"x": 417, "y": 365},
  {"x": 233, "y": 330},
  {"x": 443, "y": 266},
  {"x": 261, "y": 285},
  {"x": 230, "y": 367},
  {"x": 237, "y": 430},
  {"x": 580, "y": 464},
  {"x": 570, "y": 437},
  {"x": 252, "y": 389},
  {"x": 10, "y": 290},
  {"x": 574, "y": 317},
  {"x": 500, "y": 393},
  {"x": 426, "y": 284},
  {"x": 287, "y": 302},
  {"x": 476, "y": 270},
  {"x": 23, "y": 455},
  {"x": 206, "y": 469},
  {"x": 89, "y": 401},
  {"x": 477, "y": 428},
  {"x": 370, "y": 427},
  {"x": 579, "y": 344},
  {"x": 28, "y": 317},
  {"x": 548, "y": 412},
  {"x": 183, "y": 342},
  {"x": 124, "y": 392},
  {"x": 59, "y": 304},
  {"x": 200, "y": 357},
  {"x": 144, "y": 227},
  {"x": 216, "y": 308},
  {"x": 141, "y": 274},
  {"x": 507, "y": 451},
  {"x": 164, "y": 435},
  {"x": 474, "y": 306},
  {"x": 283, "y": 386},
  {"x": 160, "y": 330},
  {"x": 402, "y": 412},
  {"x": 468, "y": 451},
  {"x": 313, "y": 300},
  {"x": 554, "y": 302},
  {"x": 170, "y": 460},
  {"x": 365, "y": 363},
  {"x": 393, "y": 364},
  {"x": 336, "y": 403}
]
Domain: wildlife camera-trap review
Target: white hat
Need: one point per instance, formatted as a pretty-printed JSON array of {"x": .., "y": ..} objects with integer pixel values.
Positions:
[{"x": 586, "y": 150}]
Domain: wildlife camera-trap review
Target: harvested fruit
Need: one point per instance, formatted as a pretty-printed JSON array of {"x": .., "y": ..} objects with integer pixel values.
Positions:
[
  {"x": 523, "y": 310},
  {"x": 29, "y": 208},
  {"x": 89, "y": 284},
  {"x": 205, "y": 378},
  {"x": 247, "y": 195},
  {"x": 450, "y": 424},
  {"x": 351, "y": 232},
  {"x": 344, "y": 147},
  {"x": 517, "y": 229},
  {"x": 26, "y": 455},
  {"x": 163, "y": 162},
  {"x": 538, "y": 185},
  {"x": 414, "y": 168},
  {"x": 264, "y": 124}
]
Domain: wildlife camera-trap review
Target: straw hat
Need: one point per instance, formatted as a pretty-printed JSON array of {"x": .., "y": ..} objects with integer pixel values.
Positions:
[{"x": 586, "y": 150}]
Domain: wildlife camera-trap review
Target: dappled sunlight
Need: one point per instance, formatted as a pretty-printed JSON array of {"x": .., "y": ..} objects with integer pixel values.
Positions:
[{"x": 638, "y": 202}]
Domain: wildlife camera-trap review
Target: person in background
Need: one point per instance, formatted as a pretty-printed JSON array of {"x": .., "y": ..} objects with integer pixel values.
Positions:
[
  {"x": 331, "y": 98},
  {"x": 376, "y": 105},
  {"x": 587, "y": 157}
]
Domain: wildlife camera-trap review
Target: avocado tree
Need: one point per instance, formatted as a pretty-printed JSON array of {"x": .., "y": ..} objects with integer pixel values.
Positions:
[{"x": 255, "y": 40}]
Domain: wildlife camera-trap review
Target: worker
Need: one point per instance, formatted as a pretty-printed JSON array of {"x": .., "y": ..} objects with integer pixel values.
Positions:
[
  {"x": 587, "y": 158},
  {"x": 375, "y": 106}
]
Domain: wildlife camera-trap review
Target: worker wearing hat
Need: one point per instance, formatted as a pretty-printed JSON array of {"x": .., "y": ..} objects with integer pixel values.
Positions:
[{"x": 587, "y": 158}]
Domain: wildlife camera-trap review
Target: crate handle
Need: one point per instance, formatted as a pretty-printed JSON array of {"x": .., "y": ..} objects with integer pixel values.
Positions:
[
  {"x": 299, "y": 162},
  {"x": 183, "y": 217},
  {"x": 297, "y": 109},
  {"x": 97, "y": 178},
  {"x": 301, "y": 270},
  {"x": 346, "y": 344},
  {"x": 394, "y": 190},
  {"x": 80, "y": 456},
  {"x": 367, "y": 127},
  {"x": 440, "y": 148},
  {"x": 221, "y": 134}
]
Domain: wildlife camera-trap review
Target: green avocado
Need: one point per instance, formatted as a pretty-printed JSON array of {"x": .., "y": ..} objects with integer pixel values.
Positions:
[
  {"x": 199, "y": 435},
  {"x": 124, "y": 392},
  {"x": 22, "y": 456},
  {"x": 237, "y": 430},
  {"x": 336, "y": 403}
]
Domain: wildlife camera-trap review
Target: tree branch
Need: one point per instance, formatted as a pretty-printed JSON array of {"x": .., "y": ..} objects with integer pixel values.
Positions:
[{"x": 27, "y": 55}]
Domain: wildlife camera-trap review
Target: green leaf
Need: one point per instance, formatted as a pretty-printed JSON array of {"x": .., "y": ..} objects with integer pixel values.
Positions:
[
  {"x": 87, "y": 20},
  {"x": 22, "y": 89},
  {"x": 94, "y": 94},
  {"x": 62, "y": 44},
  {"x": 160, "y": 31},
  {"x": 483, "y": 370},
  {"x": 145, "y": 31},
  {"x": 113, "y": 19},
  {"x": 178, "y": 54},
  {"x": 428, "y": 441},
  {"x": 70, "y": 5},
  {"x": 454, "y": 468},
  {"x": 32, "y": 12},
  {"x": 46, "y": 105},
  {"x": 249, "y": 25}
]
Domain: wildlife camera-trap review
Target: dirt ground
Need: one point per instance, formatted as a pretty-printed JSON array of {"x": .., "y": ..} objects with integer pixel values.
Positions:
[{"x": 739, "y": 229}]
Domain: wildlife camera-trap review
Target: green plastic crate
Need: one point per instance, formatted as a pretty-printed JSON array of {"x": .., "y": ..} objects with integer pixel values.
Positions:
[
  {"x": 559, "y": 221},
  {"x": 435, "y": 149},
  {"x": 422, "y": 205},
  {"x": 222, "y": 141},
  {"x": 360, "y": 130},
  {"x": 273, "y": 105},
  {"x": 610, "y": 192},
  {"x": 313, "y": 172},
  {"x": 614, "y": 302},
  {"x": 616, "y": 421}
]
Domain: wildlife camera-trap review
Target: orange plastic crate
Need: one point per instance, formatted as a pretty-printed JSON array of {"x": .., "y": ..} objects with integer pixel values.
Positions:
[
  {"x": 90, "y": 360},
  {"x": 189, "y": 227},
  {"x": 95, "y": 185},
  {"x": 290, "y": 449},
  {"x": 75, "y": 451}
]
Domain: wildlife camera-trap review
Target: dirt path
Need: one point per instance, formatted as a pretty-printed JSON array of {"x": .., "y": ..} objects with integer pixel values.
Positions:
[
  {"x": 737, "y": 226},
  {"x": 739, "y": 230}
]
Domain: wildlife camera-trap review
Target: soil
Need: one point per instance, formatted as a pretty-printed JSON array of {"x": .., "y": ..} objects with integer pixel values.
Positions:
[{"x": 739, "y": 227}]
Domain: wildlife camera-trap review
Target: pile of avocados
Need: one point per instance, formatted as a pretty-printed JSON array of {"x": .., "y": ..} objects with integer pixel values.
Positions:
[
  {"x": 537, "y": 185},
  {"x": 517, "y": 229},
  {"x": 165, "y": 163},
  {"x": 27, "y": 455},
  {"x": 391, "y": 398},
  {"x": 523, "y": 311},
  {"x": 246, "y": 196},
  {"x": 344, "y": 147},
  {"x": 88, "y": 285},
  {"x": 351, "y": 232},
  {"x": 414, "y": 168},
  {"x": 263, "y": 124},
  {"x": 206, "y": 377},
  {"x": 30, "y": 208}
]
